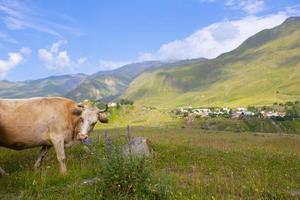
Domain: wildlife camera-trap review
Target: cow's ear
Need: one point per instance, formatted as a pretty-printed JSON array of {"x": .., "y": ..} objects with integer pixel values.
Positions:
[
  {"x": 76, "y": 111},
  {"x": 102, "y": 118}
]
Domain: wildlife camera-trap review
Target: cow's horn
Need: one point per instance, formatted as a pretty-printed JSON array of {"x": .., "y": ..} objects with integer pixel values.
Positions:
[{"x": 81, "y": 105}]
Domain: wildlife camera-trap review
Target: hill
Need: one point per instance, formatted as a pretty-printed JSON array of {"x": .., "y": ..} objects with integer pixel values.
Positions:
[
  {"x": 262, "y": 70},
  {"x": 103, "y": 85},
  {"x": 51, "y": 86},
  {"x": 108, "y": 85}
]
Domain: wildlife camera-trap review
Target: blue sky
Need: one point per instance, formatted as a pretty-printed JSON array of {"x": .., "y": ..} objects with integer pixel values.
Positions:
[{"x": 51, "y": 37}]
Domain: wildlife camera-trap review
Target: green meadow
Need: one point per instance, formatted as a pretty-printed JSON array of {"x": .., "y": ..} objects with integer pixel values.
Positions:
[{"x": 190, "y": 163}]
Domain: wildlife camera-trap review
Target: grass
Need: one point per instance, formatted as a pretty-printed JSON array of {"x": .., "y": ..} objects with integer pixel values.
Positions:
[
  {"x": 248, "y": 125},
  {"x": 196, "y": 164},
  {"x": 129, "y": 177}
]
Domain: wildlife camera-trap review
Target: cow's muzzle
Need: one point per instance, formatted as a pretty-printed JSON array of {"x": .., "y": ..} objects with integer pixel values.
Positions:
[{"x": 82, "y": 136}]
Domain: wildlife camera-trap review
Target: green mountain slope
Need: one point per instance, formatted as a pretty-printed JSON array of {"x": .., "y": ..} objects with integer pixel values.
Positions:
[
  {"x": 103, "y": 85},
  {"x": 108, "y": 85},
  {"x": 51, "y": 86},
  {"x": 263, "y": 70}
]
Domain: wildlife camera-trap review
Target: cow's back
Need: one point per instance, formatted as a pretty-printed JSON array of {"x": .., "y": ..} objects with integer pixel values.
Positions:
[{"x": 26, "y": 123}]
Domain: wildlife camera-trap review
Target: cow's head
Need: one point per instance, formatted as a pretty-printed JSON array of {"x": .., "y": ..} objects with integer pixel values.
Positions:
[{"x": 89, "y": 117}]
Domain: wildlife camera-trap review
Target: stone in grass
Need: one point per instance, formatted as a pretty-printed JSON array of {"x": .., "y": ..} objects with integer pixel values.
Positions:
[
  {"x": 86, "y": 149},
  {"x": 90, "y": 181},
  {"x": 3, "y": 173},
  {"x": 295, "y": 192},
  {"x": 137, "y": 146}
]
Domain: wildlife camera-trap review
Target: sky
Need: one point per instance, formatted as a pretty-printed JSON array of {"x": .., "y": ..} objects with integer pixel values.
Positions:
[{"x": 40, "y": 38}]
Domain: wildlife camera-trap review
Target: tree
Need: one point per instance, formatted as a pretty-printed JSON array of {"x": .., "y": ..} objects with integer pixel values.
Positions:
[
  {"x": 125, "y": 102},
  {"x": 251, "y": 109},
  {"x": 289, "y": 103},
  {"x": 99, "y": 104},
  {"x": 293, "y": 112}
]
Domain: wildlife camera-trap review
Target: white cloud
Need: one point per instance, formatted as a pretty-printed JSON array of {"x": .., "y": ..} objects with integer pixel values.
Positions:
[
  {"x": 293, "y": 10},
  {"x": 147, "y": 56},
  {"x": 54, "y": 59},
  {"x": 82, "y": 60},
  {"x": 25, "y": 51},
  {"x": 109, "y": 64},
  {"x": 208, "y": 1},
  {"x": 55, "y": 46},
  {"x": 248, "y": 6},
  {"x": 6, "y": 38},
  {"x": 14, "y": 59},
  {"x": 215, "y": 39},
  {"x": 16, "y": 15}
]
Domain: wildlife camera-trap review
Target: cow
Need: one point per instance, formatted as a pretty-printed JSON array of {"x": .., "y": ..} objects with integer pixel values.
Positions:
[{"x": 45, "y": 122}]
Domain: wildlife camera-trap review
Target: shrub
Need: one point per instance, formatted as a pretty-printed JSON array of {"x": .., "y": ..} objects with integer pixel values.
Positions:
[
  {"x": 292, "y": 112},
  {"x": 289, "y": 103},
  {"x": 128, "y": 177},
  {"x": 99, "y": 104},
  {"x": 125, "y": 102},
  {"x": 252, "y": 109}
]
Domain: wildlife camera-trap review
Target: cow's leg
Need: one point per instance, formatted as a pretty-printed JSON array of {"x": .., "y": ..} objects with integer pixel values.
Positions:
[
  {"x": 42, "y": 155},
  {"x": 60, "y": 154},
  {"x": 2, "y": 172}
]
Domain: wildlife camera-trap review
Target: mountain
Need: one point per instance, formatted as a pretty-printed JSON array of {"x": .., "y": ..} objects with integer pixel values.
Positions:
[
  {"x": 51, "y": 86},
  {"x": 263, "y": 70},
  {"x": 103, "y": 85},
  {"x": 108, "y": 85}
]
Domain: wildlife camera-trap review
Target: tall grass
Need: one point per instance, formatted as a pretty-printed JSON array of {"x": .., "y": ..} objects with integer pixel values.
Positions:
[
  {"x": 197, "y": 164},
  {"x": 128, "y": 177}
]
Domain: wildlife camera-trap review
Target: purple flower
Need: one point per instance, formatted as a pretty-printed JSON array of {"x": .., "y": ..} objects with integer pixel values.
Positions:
[{"x": 87, "y": 141}]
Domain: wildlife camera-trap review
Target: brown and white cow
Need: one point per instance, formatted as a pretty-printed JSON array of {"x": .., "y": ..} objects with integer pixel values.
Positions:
[{"x": 46, "y": 122}]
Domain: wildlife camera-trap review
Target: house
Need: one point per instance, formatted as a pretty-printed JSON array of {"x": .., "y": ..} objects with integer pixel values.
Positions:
[
  {"x": 248, "y": 113},
  {"x": 281, "y": 114},
  {"x": 272, "y": 114},
  {"x": 241, "y": 109},
  {"x": 201, "y": 112},
  {"x": 236, "y": 115},
  {"x": 226, "y": 110},
  {"x": 112, "y": 104},
  {"x": 263, "y": 114}
]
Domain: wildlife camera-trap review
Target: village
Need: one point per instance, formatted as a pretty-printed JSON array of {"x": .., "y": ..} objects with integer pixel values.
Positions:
[
  {"x": 233, "y": 113},
  {"x": 277, "y": 111}
]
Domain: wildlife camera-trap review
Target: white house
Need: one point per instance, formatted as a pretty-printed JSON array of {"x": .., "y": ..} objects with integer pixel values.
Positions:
[
  {"x": 112, "y": 104},
  {"x": 241, "y": 109}
]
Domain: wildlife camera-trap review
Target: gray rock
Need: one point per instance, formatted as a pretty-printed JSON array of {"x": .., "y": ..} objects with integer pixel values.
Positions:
[
  {"x": 86, "y": 149},
  {"x": 295, "y": 193},
  {"x": 90, "y": 181},
  {"x": 139, "y": 146},
  {"x": 2, "y": 172}
]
